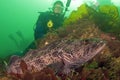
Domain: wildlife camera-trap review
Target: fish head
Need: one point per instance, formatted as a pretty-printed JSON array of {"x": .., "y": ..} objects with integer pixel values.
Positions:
[{"x": 87, "y": 49}]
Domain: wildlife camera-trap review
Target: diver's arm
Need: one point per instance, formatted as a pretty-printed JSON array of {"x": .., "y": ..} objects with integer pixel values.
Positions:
[{"x": 39, "y": 30}]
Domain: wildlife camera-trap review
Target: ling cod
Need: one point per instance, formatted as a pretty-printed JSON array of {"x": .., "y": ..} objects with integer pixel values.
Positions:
[{"x": 62, "y": 56}]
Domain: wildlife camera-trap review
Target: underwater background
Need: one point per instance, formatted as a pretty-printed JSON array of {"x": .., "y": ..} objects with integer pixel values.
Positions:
[
  {"x": 95, "y": 20},
  {"x": 18, "y": 18}
]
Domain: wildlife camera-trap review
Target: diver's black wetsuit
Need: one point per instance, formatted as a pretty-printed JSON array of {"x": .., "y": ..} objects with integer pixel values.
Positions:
[{"x": 46, "y": 21}]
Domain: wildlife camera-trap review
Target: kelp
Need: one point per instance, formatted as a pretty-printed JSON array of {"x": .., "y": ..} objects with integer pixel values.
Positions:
[
  {"x": 109, "y": 10},
  {"x": 106, "y": 17},
  {"x": 114, "y": 70},
  {"x": 84, "y": 11}
]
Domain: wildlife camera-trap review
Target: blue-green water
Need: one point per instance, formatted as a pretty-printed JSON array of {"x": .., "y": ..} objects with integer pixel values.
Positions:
[{"x": 17, "y": 17}]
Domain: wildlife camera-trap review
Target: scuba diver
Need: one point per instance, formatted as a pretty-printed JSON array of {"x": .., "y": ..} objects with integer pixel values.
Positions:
[{"x": 49, "y": 20}]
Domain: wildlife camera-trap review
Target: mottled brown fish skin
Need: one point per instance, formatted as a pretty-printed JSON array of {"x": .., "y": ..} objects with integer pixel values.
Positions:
[{"x": 62, "y": 55}]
